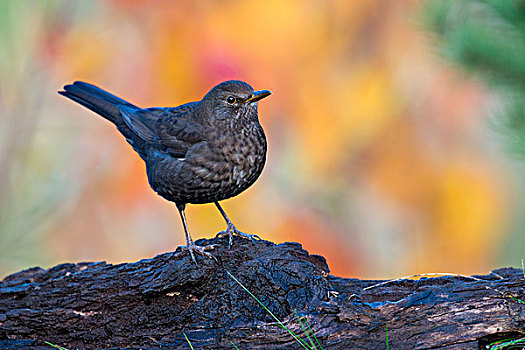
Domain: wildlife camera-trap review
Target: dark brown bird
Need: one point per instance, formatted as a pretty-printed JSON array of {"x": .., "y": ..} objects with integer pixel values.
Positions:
[{"x": 199, "y": 152}]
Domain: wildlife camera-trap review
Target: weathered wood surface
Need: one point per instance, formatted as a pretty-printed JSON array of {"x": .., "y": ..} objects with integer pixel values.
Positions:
[{"x": 148, "y": 304}]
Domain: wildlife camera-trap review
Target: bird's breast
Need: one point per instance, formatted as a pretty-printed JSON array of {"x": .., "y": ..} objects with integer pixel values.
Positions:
[
  {"x": 219, "y": 168},
  {"x": 239, "y": 157}
]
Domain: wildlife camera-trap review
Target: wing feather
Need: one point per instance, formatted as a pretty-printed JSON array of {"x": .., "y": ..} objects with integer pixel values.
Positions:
[{"x": 166, "y": 129}]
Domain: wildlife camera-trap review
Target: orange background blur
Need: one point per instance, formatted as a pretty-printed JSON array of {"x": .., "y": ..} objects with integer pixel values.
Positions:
[{"x": 380, "y": 155}]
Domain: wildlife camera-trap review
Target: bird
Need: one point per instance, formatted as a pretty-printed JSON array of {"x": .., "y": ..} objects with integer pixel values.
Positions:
[{"x": 199, "y": 152}]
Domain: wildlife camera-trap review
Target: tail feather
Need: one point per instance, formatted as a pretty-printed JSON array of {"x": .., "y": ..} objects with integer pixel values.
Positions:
[
  {"x": 97, "y": 100},
  {"x": 108, "y": 106}
]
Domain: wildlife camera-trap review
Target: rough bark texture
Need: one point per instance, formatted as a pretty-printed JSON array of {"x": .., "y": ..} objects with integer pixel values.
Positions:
[{"x": 150, "y": 303}]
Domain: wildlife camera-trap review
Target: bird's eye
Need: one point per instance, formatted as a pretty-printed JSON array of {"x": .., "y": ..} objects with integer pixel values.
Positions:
[{"x": 231, "y": 99}]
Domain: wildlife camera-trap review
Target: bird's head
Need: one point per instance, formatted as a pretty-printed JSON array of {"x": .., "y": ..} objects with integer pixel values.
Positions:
[{"x": 233, "y": 102}]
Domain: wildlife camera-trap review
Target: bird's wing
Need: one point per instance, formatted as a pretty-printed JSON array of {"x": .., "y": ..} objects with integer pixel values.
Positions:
[
  {"x": 167, "y": 129},
  {"x": 141, "y": 122}
]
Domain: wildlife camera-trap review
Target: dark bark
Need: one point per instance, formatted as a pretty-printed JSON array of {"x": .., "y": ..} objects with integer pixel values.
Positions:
[{"x": 150, "y": 303}]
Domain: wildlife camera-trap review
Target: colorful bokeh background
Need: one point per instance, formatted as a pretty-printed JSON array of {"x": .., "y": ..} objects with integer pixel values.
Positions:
[{"x": 381, "y": 155}]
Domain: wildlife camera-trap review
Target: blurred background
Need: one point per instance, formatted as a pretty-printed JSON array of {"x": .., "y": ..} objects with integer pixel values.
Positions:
[{"x": 389, "y": 148}]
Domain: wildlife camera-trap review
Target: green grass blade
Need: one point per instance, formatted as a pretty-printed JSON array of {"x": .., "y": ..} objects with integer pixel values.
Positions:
[
  {"x": 55, "y": 346},
  {"x": 305, "y": 330},
  {"x": 313, "y": 335},
  {"x": 299, "y": 340},
  {"x": 387, "y": 346},
  {"x": 235, "y": 346},
  {"x": 191, "y": 346},
  {"x": 505, "y": 343}
]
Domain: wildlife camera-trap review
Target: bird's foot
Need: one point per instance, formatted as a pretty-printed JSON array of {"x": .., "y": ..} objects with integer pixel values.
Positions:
[
  {"x": 192, "y": 248},
  {"x": 232, "y": 230}
]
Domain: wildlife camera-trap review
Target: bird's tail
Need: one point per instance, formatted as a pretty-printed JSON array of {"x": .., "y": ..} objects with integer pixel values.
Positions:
[
  {"x": 110, "y": 107},
  {"x": 98, "y": 100}
]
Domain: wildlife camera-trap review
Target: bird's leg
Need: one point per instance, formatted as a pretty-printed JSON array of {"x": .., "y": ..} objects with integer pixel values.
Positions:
[
  {"x": 190, "y": 246},
  {"x": 231, "y": 229}
]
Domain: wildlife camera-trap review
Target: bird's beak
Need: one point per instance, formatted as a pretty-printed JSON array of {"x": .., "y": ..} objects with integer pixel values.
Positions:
[{"x": 258, "y": 95}]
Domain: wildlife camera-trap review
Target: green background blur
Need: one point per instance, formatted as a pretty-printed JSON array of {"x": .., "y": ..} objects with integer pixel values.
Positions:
[{"x": 381, "y": 155}]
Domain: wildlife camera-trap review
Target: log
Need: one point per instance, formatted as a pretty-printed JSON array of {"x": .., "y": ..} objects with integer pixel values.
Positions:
[{"x": 156, "y": 303}]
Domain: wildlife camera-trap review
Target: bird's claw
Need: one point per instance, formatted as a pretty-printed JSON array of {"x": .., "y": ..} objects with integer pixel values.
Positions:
[
  {"x": 200, "y": 250},
  {"x": 232, "y": 230}
]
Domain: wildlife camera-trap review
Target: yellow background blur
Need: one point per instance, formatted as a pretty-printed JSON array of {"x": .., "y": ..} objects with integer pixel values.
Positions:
[{"x": 380, "y": 154}]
